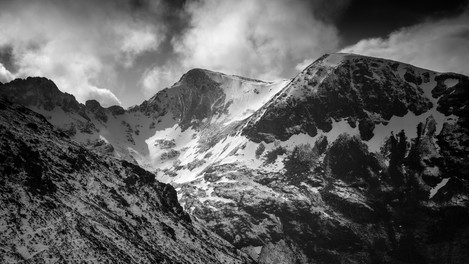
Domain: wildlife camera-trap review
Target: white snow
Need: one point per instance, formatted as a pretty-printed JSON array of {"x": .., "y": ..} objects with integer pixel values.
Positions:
[
  {"x": 340, "y": 127},
  {"x": 451, "y": 82},
  {"x": 334, "y": 59},
  {"x": 216, "y": 199},
  {"x": 103, "y": 139},
  {"x": 246, "y": 96},
  {"x": 225, "y": 180},
  {"x": 440, "y": 185},
  {"x": 410, "y": 121},
  {"x": 257, "y": 249}
]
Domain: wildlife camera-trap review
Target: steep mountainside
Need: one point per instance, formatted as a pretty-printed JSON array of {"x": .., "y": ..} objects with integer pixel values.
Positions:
[
  {"x": 62, "y": 203},
  {"x": 355, "y": 160},
  {"x": 362, "y": 91},
  {"x": 200, "y": 101}
]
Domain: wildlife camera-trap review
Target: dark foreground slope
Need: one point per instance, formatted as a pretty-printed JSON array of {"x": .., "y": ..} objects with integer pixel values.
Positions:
[{"x": 61, "y": 203}]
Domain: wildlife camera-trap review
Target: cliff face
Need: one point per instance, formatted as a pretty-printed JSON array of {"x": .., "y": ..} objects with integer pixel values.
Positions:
[{"x": 61, "y": 202}]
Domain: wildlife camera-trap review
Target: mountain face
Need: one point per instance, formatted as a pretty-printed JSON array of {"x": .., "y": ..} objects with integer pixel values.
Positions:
[
  {"x": 359, "y": 90},
  {"x": 62, "y": 203},
  {"x": 355, "y": 160}
]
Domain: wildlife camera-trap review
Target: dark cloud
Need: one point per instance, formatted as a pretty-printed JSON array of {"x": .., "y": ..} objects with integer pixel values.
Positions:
[
  {"x": 7, "y": 59},
  {"x": 329, "y": 11},
  {"x": 370, "y": 18},
  {"x": 171, "y": 13},
  {"x": 441, "y": 45}
]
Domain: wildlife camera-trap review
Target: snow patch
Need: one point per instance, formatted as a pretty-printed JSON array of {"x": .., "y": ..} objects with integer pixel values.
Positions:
[
  {"x": 340, "y": 127},
  {"x": 335, "y": 59},
  {"x": 103, "y": 139},
  {"x": 246, "y": 97},
  {"x": 451, "y": 82},
  {"x": 434, "y": 190},
  {"x": 216, "y": 199},
  {"x": 408, "y": 123}
]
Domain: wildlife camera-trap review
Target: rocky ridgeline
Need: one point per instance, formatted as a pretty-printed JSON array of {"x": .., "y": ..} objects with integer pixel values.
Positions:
[
  {"x": 42, "y": 93},
  {"x": 61, "y": 202},
  {"x": 362, "y": 90}
]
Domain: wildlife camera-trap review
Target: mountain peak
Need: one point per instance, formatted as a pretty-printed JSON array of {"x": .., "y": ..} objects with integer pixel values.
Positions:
[
  {"x": 39, "y": 92},
  {"x": 219, "y": 76},
  {"x": 198, "y": 71},
  {"x": 39, "y": 83},
  {"x": 361, "y": 89},
  {"x": 92, "y": 104},
  {"x": 335, "y": 59}
]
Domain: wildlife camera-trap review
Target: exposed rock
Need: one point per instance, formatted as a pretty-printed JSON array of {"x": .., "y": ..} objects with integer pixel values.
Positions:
[
  {"x": 94, "y": 107},
  {"x": 116, "y": 110}
]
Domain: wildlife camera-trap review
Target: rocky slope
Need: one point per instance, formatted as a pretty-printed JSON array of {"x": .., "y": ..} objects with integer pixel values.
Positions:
[
  {"x": 355, "y": 160},
  {"x": 62, "y": 203}
]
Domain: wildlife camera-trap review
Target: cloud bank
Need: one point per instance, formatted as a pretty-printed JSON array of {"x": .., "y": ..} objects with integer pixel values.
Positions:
[
  {"x": 438, "y": 45},
  {"x": 158, "y": 78},
  {"x": 75, "y": 44},
  {"x": 261, "y": 39},
  {"x": 5, "y": 75}
]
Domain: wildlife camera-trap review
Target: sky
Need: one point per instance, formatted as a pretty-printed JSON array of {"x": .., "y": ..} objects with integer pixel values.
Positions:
[{"x": 124, "y": 51}]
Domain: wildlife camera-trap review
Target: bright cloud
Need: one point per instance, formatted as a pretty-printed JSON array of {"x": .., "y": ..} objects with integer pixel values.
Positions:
[
  {"x": 263, "y": 39},
  {"x": 74, "y": 45},
  {"x": 137, "y": 38},
  {"x": 438, "y": 45},
  {"x": 5, "y": 75},
  {"x": 158, "y": 78}
]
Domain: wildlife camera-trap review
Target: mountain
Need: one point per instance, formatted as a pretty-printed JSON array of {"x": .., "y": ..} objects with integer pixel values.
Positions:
[
  {"x": 62, "y": 203},
  {"x": 355, "y": 160}
]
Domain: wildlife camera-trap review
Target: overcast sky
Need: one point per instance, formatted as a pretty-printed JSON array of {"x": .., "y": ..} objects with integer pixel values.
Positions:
[{"x": 124, "y": 51}]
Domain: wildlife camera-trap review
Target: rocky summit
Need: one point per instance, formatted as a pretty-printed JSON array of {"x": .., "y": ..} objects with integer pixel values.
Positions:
[{"x": 354, "y": 160}]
